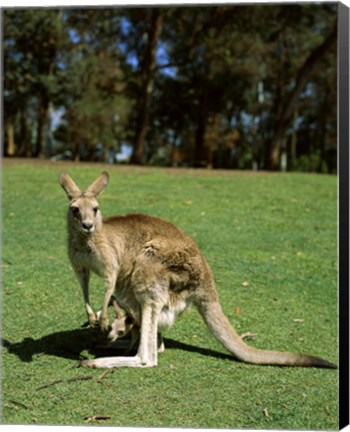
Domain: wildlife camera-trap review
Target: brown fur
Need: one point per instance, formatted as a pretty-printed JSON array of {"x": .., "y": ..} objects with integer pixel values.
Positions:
[
  {"x": 157, "y": 272},
  {"x": 122, "y": 325}
]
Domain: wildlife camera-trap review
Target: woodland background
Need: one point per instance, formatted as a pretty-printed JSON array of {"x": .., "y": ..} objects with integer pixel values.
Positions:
[{"x": 229, "y": 86}]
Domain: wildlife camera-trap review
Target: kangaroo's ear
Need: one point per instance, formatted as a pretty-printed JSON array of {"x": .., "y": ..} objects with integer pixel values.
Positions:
[
  {"x": 98, "y": 185},
  {"x": 69, "y": 186},
  {"x": 120, "y": 313}
]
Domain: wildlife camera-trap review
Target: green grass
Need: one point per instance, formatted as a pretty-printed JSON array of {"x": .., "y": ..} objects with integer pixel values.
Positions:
[{"x": 276, "y": 232}]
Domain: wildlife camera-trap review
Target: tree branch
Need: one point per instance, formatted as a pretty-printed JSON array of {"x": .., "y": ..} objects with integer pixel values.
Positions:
[{"x": 304, "y": 74}]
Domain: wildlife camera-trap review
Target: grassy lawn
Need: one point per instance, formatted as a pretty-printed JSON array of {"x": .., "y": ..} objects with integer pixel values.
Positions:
[{"x": 276, "y": 232}]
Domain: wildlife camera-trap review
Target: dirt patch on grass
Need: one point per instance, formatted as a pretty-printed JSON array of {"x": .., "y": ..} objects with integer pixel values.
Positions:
[{"x": 66, "y": 165}]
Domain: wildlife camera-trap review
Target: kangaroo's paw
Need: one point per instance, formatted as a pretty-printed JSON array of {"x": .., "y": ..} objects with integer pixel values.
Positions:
[
  {"x": 116, "y": 362},
  {"x": 91, "y": 322},
  {"x": 161, "y": 347},
  {"x": 104, "y": 325}
]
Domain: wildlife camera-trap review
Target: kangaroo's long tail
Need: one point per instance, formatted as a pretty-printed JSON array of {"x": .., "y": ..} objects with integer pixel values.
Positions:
[{"x": 223, "y": 331}]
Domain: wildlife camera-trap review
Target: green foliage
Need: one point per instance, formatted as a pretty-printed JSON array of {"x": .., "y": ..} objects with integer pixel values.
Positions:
[
  {"x": 218, "y": 71},
  {"x": 276, "y": 232}
]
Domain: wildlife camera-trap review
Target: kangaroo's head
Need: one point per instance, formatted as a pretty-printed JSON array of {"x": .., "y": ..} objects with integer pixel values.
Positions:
[
  {"x": 122, "y": 323},
  {"x": 121, "y": 326},
  {"x": 84, "y": 213}
]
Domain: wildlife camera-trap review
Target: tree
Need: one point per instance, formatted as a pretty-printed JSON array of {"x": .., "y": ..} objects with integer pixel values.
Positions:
[
  {"x": 296, "y": 38},
  {"x": 148, "y": 23},
  {"x": 224, "y": 85},
  {"x": 95, "y": 110},
  {"x": 290, "y": 101},
  {"x": 31, "y": 43},
  {"x": 213, "y": 72},
  {"x": 18, "y": 76}
]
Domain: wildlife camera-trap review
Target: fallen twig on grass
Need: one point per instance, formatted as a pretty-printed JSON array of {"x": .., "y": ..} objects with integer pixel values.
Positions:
[
  {"x": 80, "y": 378},
  {"x": 97, "y": 417},
  {"x": 74, "y": 379},
  {"x": 19, "y": 404},
  {"x": 100, "y": 378},
  {"x": 266, "y": 412},
  {"x": 49, "y": 385}
]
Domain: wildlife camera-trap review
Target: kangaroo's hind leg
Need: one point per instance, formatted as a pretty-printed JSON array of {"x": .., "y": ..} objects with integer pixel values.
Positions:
[{"x": 147, "y": 355}]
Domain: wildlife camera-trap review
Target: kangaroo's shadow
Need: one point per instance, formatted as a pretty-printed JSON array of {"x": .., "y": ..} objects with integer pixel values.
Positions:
[
  {"x": 71, "y": 344},
  {"x": 67, "y": 344},
  {"x": 173, "y": 344}
]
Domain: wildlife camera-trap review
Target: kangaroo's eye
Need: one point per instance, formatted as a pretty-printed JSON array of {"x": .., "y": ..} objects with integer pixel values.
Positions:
[
  {"x": 75, "y": 211},
  {"x": 128, "y": 320},
  {"x": 95, "y": 210}
]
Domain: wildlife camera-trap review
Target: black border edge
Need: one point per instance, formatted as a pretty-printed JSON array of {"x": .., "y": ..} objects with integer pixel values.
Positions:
[{"x": 343, "y": 209}]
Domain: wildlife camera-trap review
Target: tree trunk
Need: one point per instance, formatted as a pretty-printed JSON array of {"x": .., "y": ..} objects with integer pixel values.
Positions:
[
  {"x": 138, "y": 155},
  {"x": 293, "y": 144},
  {"x": 42, "y": 123},
  {"x": 11, "y": 146},
  {"x": 290, "y": 104},
  {"x": 147, "y": 66},
  {"x": 200, "y": 156},
  {"x": 273, "y": 156},
  {"x": 90, "y": 147},
  {"x": 46, "y": 70},
  {"x": 24, "y": 149}
]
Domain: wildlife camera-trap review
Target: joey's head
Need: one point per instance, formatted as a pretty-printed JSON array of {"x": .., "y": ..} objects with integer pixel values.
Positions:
[
  {"x": 121, "y": 326},
  {"x": 84, "y": 214}
]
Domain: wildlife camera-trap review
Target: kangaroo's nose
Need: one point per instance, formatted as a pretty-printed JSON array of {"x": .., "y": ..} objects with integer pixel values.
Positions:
[{"x": 87, "y": 225}]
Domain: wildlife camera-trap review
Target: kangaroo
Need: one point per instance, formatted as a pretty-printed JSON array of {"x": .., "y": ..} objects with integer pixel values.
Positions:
[
  {"x": 156, "y": 272},
  {"x": 122, "y": 325}
]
